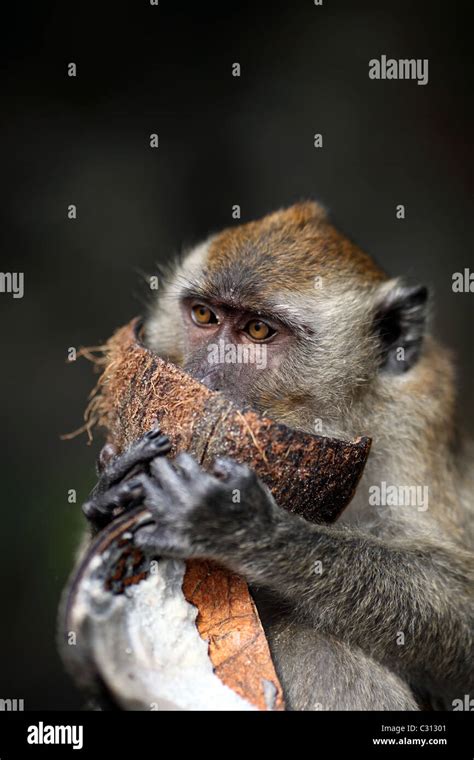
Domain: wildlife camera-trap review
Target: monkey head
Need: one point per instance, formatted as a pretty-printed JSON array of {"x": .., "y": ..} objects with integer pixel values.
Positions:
[{"x": 288, "y": 316}]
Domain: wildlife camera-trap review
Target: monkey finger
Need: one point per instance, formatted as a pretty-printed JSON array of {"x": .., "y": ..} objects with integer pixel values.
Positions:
[
  {"x": 187, "y": 463},
  {"x": 142, "y": 451},
  {"x": 131, "y": 491},
  {"x": 169, "y": 477},
  {"x": 107, "y": 453},
  {"x": 103, "y": 505},
  {"x": 160, "y": 542},
  {"x": 190, "y": 469},
  {"x": 230, "y": 469},
  {"x": 156, "y": 498}
]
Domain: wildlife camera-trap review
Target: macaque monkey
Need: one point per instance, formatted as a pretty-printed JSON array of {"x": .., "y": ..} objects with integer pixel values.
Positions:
[{"x": 376, "y": 611}]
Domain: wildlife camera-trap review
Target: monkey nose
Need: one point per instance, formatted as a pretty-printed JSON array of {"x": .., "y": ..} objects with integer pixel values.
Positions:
[{"x": 211, "y": 379}]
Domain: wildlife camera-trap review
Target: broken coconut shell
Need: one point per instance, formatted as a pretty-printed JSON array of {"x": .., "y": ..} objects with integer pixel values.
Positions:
[
  {"x": 313, "y": 476},
  {"x": 138, "y": 630},
  {"x": 310, "y": 475}
]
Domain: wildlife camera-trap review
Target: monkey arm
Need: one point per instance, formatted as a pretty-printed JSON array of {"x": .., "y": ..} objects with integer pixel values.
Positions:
[{"x": 410, "y": 606}]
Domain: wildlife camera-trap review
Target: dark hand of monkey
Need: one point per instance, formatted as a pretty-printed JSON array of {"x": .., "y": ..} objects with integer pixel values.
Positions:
[
  {"x": 198, "y": 514},
  {"x": 104, "y": 501}
]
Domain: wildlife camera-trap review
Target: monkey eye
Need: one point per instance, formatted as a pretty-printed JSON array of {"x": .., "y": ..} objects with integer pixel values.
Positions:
[
  {"x": 202, "y": 315},
  {"x": 258, "y": 330}
]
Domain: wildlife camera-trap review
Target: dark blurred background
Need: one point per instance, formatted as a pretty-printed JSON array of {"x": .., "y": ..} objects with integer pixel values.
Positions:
[{"x": 223, "y": 141}]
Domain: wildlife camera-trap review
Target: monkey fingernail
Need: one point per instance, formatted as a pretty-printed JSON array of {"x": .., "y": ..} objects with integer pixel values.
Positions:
[
  {"x": 153, "y": 433},
  {"x": 90, "y": 511},
  {"x": 107, "y": 453},
  {"x": 132, "y": 489}
]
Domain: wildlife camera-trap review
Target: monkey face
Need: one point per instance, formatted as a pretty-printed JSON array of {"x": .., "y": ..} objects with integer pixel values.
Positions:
[{"x": 227, "y": 347}]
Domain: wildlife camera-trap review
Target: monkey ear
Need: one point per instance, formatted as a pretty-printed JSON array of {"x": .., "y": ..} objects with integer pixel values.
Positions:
[{"x": 400, "y": 323}]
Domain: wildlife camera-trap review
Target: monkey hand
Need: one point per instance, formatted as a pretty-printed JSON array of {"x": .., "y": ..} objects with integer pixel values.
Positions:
[
  {"x": 107, "y": 498},
  {"x": 222, "y": 515}
]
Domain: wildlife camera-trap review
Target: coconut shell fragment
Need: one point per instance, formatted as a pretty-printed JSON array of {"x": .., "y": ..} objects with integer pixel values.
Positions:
[{"x": 163, "y": 634}]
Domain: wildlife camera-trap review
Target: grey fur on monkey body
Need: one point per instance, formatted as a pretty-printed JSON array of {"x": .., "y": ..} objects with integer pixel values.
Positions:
[{"x": 390, "y": 619}]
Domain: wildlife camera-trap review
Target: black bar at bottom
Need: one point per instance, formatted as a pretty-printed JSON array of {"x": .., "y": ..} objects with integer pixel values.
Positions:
[{"x": 316, "y": 734}]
